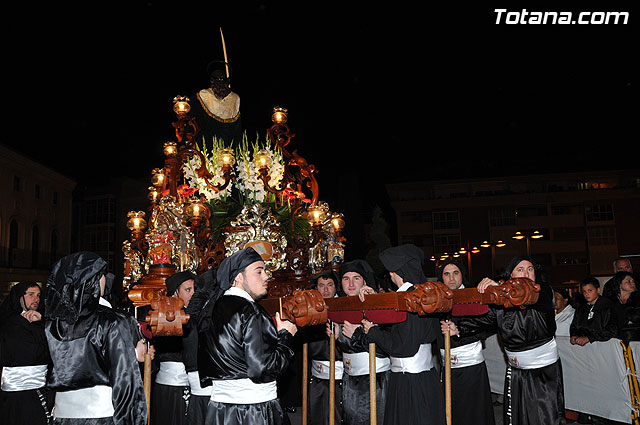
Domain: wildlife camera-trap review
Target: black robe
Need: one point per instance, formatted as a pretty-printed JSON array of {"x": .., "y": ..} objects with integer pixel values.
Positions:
[
  {"x": 355, "y": 389},
  {"x": 104, "y": 356},
  {"x": 241, "y": 341},
  {"x": 169, "y": 403},
  {"x": 532, "y": 396},
  {"x": 318, "y": 392},
  {"x": 414, "y": 398},
  {"x": 471, "y": 402},
  {"x": 23, "y": 343},
  {"x": 602, "y": 326}
]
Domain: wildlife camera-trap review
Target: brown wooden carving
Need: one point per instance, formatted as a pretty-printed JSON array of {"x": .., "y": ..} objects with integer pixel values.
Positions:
[
  {"x": 167, "y": 316},
  {"x": 427, "y": 298},
  {"x": 513, "y": 292},
  {"x": 307, "y": 307}
]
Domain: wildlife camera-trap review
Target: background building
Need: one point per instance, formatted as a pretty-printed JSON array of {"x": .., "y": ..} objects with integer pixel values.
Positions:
[
  {"x": 585, "y": 220},
  {"x": 35, "y": 219}
]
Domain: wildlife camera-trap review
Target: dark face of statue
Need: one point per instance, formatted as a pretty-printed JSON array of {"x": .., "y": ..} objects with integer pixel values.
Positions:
[{"x": 220, "y": 84}]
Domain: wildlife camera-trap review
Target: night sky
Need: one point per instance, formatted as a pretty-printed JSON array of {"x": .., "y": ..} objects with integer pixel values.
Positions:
[{"x": 389, "y": 92}]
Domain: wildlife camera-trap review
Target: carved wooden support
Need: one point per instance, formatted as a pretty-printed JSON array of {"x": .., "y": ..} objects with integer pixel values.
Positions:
[
  {"x": 166, "y": 316},
  {"x": 151, "y": 284},
  {"x": 307, "y": 307}
]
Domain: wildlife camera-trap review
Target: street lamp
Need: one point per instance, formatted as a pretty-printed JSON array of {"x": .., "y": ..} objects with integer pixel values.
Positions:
[{"x": 527, "y": 236}]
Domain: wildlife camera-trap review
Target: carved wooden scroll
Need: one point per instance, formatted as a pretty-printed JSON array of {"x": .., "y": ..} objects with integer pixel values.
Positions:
[
  {"x": 307, "y": 307},
  {"x": 167, "y": 316}
]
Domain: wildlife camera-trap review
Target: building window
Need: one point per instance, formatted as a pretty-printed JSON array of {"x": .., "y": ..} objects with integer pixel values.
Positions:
[
  {"x": 446, "y": 220},
  {"x": 532, "y": 211},
  {"x": 446, "y": 243},
  {"x": 100, "y": 211},
  {"x": 55, "y": 198},
  {"x": 568, "y": 234},
  {"x": 569, "y": 258},
  {"x": 415, "y": 216},
  {"x": 17, "y": 183},
  {"x": 566, "y": 210},
  {"x": 35, "y": 246},
  {"x": 602, "y": 235},
  {"x": 502, "y": 217},
  {"x": 599, "y": 212},
  {"x": 36, "y": 191}
]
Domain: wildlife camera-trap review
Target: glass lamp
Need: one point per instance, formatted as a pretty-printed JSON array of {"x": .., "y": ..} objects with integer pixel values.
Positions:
[{"x": 279, "y": 115}]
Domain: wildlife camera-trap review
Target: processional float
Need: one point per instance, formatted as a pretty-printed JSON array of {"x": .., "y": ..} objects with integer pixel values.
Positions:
[{"x": 210, "y": 200}]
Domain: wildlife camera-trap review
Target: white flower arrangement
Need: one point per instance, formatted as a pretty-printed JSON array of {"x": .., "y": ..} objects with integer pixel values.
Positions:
[
  {"x": 213, "y": 166},
  {"x": 247, "y": 171}
]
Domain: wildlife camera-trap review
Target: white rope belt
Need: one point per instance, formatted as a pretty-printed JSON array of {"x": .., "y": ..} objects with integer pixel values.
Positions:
[
  {"x": 465, "y": 355},
  {"x": 243, "y": 391},
  {"x": 94, "y": 402},
  {"x": 172, "y": 373},
  {"x": 321, "y": 368},
  {"x": 356, "y": 364},
  {"x": 419, "y": 362},
  {"x": 23, "y": 378},
  {"x": 535, "y": 358},
  {"x": 194, "y": 383}
]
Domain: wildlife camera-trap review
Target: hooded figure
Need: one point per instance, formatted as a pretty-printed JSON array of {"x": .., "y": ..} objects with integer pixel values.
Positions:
[
  {"x": 533, "y": 381},
  {"x": 240, "y": 350},
  {"x": 414, "y": 392},
  {"x": 171, "y": 393},
  {"x": 468, "y": 368},
  {"x": 355, "y": 356},
  {"x": 95, "y": 372},
  {"x": 24, "y": 358}
]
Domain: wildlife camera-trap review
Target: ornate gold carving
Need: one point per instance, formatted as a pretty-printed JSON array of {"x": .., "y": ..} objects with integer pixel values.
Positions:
[{"x": 255, "y": 226}]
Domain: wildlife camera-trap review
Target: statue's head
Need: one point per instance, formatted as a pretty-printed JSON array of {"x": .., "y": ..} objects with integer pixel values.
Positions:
[{"x": 219, "y": 81}]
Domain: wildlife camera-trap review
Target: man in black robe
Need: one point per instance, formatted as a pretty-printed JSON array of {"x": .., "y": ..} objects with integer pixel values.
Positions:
[
  {"x": 414, "y": 395},
  {"x": 533, "y": 388},
  {"x": 171, "y": 393},
  {"x": 93, "y": 348},
  {"x": 468, "y": 368},
  {"x": 351, "y": 341},
  {"x": 318, "y": 396},
  {"x": 240, "y": 350},
  {"x": 24, "y": 357}
]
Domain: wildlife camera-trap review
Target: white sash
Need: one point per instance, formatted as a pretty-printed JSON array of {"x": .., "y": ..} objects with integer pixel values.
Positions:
[
  {"x": 194, "y": 383},
  {"x": 535, "y": 358},
  {"x": 243, "y": 391},
  {"x": 320, "y": 369},
  {"x": 465, "y": 355},
  {"x": 356, "y": 364},
  {"x": 419, "y": 362},
  {"x": 94, "y": 402},
  {"x": 22, "y": 378},
  {"x": 173, "y": 374}
]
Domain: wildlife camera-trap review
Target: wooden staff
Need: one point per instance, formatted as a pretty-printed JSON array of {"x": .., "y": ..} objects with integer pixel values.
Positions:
[
  {"x": 332, "y": 377},
  {"x": 147, "y": 382},
  {"x": 447, "y": 375},
  {"x": 373, "y": 416},
  {"x": 224, "y": 51},
  {"x": 305, "y": 380}
]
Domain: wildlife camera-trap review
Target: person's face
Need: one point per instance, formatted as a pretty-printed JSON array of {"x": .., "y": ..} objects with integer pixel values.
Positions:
[
  {"x": 628, "y": 284},
  {"x": 254, "y": 280},
  {"x": 452, "y": 276},
  {"x": 220, "y": 84},
  {"x": 31, "y": 299},
  {"x": 185, "y": 291},
  {"x": 326, "y": 287},
  {"x": 351, "y": 283},
  {"x": 590, "y": 293},
  {"x": 559, "y": 302},
  {"x": 524, "y": 269},
  {"x": 623, "y": 266}
]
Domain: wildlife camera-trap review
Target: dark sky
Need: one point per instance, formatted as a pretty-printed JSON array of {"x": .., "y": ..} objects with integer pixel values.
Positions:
[{"x": 391, "y": 91}]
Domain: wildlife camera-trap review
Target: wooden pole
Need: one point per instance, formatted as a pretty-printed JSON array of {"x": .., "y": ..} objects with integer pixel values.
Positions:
[
  {"x": 447, "y": 375},
  {"x": 332, "y": 378},
  {"x": 147, "y": 384},
  {"x": 373, "y": 415},
  {"x": 305, "y": 380}
]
